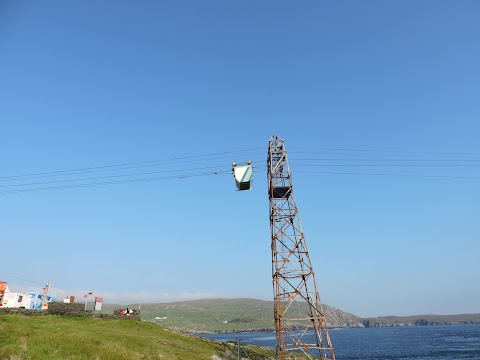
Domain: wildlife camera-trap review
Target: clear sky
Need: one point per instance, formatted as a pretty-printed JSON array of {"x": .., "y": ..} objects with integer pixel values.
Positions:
[{"x": 391, "y": 231}]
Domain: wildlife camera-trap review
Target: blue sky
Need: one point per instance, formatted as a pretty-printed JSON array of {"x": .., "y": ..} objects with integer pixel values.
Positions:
[{"x": 88, "y": 84}]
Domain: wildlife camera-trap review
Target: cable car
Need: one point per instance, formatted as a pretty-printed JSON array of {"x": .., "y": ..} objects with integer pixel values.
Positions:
[{"x": 243, "y": 174}]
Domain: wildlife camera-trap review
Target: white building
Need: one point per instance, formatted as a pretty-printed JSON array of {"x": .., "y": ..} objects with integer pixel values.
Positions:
[{"x": 17, "y": 300}]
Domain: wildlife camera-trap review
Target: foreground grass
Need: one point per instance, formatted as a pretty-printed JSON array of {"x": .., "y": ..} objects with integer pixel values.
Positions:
[{"x": 56, "y": 337}]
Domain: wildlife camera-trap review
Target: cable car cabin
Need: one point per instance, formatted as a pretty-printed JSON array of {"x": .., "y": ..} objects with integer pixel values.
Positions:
[{"x": 243, "y": 174}]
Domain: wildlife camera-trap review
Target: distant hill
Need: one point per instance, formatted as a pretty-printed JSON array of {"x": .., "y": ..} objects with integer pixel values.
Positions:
[
  {"x": 417, "y": 320},
  {"x": 217, "y": 315},
  {"x": 229, "y": 315}
]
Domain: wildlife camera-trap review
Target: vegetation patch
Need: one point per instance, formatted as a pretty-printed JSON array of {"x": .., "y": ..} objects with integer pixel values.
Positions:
[{"x": 57, "y": 337}]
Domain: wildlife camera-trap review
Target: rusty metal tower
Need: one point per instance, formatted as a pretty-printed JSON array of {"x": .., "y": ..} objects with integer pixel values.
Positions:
[{"x": 300, "y": 325}]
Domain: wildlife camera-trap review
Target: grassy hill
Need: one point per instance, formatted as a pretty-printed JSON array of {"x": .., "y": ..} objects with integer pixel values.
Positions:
[
  {"x": 228, "y": 315},
  {"x": 83, "y": 337}
]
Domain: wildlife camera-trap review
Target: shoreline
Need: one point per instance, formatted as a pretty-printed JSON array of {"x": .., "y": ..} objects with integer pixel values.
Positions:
[{"x": 272, "y": 330}]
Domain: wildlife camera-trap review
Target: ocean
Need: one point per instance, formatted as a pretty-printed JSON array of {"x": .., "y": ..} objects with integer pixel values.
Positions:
[{"x": 433, "y": 342}]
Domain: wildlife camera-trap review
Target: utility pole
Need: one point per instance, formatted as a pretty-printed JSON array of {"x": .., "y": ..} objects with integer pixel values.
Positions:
[
  {"x": 300, "y": 324},
  {"x": 238, "y": 350},
  {"x": 87, "y": 295},
  {"x": 47, "y": 287}
]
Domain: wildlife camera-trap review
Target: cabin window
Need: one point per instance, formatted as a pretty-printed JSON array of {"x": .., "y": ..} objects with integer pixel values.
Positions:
[{"x": 20, "y": 298}]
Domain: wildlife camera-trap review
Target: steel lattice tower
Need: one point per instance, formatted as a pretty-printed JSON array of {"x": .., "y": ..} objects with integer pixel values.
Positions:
[{"x": 300, "y": 324}]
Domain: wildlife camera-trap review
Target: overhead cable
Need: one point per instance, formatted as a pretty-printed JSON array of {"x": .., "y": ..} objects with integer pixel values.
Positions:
[
  {"x": 114, "y": 166},
  {"x": 111, "y": 176},
  {"x": 386, "y": 174},
  {"x": 54, "y": 287},
  {"x": 383, "y": 151},
  {"x": 180, "y": 176}
]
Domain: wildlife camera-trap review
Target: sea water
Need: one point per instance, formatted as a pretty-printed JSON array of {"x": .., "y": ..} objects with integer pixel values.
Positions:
[{"x": 433, "y": 342}]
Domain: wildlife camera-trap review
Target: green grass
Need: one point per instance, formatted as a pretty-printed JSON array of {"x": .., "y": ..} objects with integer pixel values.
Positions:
[{"x": 56, "y": 337}]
